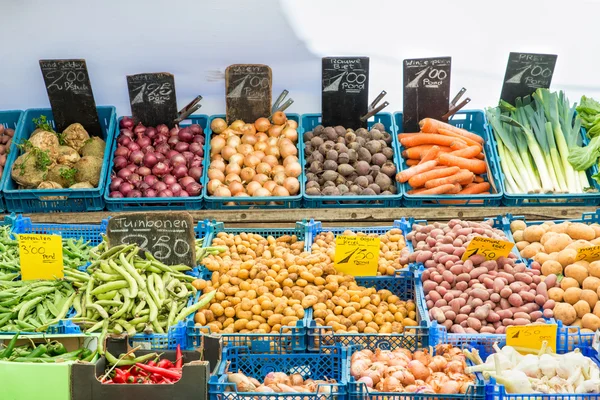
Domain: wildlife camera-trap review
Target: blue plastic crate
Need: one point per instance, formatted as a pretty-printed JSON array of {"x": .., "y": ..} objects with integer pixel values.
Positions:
[
  {"x": 56, "y": 200},
  {"x": 161, "y": 341},
  {"x": 234, "y": 203},
  {"x": 289, "y": 339},
  {"x": 9, "y": 119},
  {"x": 359, "y": 391},
  {"x": 154, "y": 203},
  {"x": 551, "y": 199},
  {"x": 473, "y": 121},
  {"x": 570, "y": 337},
  {"x": 91, "y": 233},
  {"x": 495, "y": 391},
  {"x": 309, "y": 122},
  {"x": 403, "y": 285},
  {"x": 310, "y": 365}
]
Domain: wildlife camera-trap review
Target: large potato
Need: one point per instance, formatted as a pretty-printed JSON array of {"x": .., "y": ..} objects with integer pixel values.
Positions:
[
  {"x": 581, "y": 231},
  {"x": 550, "y": 267},
  {"x": 557, "y": 243},
  {"x": 565, "y": 312},
  {"x": 590, "y": 321},
  {"x": 533, "y": 233},
  {"x": 577, "y": 272}
]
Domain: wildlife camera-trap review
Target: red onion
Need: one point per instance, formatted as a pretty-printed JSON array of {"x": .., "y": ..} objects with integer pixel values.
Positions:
[
  {"x": 179, "y": 171},
  {"x": 133, "y": 146},
  {"x": 183, "y": 193},
  {"x": 142, "y": 186},
  {"x": 136, "y": 157},
  {"x": 162, "y": 129},
  {"x": 151, "y": 133},
  {"x": 126, "y": 122},
  {"x": 144, "y": 171},
  {"x": 196, "y": 148},
  {"x": 127, "y": 132},
  {"x": 160, "y": 139},
  {"x": 149, "y": 193},
  {"x": 117, "y": 195},
  {"x": 150, "y": 179},
  {"x": 160, "y": 157},
  {"x": 124, "y": 140},
  {"x": 182, "y": 146},
  {"x": 139, "y": 129},
  {"x": 185, "y": 135},
  {"x": 159, "y": 186},
  {"x": 134, "y": 193},
  {"x": 169, "y": 180},
  {"x": 176, "y": 188},
  {"x": 163, "y": 148},
  {"x": 178, "y": 159},
  {"x": 196, "y": 162},
  {"x": 199, "y": 139},
  {"x": 174, "y": 131},
  {"x": 165, "y": 193},
  {"x": 144, "y": 141},
  {"x": 131, "y": 167},
  {"x": 120, "y": 162},
  {"x": 189, "y": 156},
  {"x": 196, "y": 129},
  {"x": 171, "y": 153},
  {"x": 186, "y": 180},
  {"x": 125, "y": 188},
  {"x": 148, "y": 149},
  {"x": 150, "y": 160},
  {"x": 193, "y": 189},
  {"x": 134, "y": 178},
  {"x": 173, "y": 140},
  {"x": 160, "y": 169},
  {"x": 196, "y": 173},
  {"x": 115, "y": 183},
  {"x": 122, "y": 151}
]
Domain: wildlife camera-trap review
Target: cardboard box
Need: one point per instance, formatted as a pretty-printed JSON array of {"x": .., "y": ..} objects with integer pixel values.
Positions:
[
  {"x": 31, "y": 381},
  {"x": 192, "y": 385}
]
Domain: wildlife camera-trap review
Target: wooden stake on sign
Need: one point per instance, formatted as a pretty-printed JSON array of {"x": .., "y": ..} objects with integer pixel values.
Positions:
[
  {"x": 526, "y": 72},
  {"x": 168, "y": 236},
  {"x": 70, "y": 94},
  {"x": 152, "y": 98},
  {"x": 248, "y": 92},
  {"x": 345, "y": 91},
  {"x": 426, "y": 90}
]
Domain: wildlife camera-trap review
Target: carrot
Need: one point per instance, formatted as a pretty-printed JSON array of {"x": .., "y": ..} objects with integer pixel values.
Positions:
[
  {"x": 475, "y": 166},
  {"x": 469, "y": 152},
  {"x": 478, "y": 179},
  {"x": 469, "y": 142},
  {"x": 410, "y": 162},
  {"x": 458, "y": 145},
  {"x": 417, "y": 191},
  {"x": 476, "y": 188},
  {"x": 425, "y": 138},
  {"x": 457, "y": 177},
  {"x": 450, "y": 188},
  {"x": 417, "y": 152},
  {"x": 467, "y": 181},
  {"x": 421, "y": 179},
  {"x": 430, "y": 154},
  {"x": 431, "y": 125},
  {"x": 417, "y": 169},
  {"x": 406, "y": 135}
]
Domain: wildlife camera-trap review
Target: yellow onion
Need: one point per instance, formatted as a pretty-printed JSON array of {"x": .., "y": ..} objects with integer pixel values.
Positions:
[
  {"x": 262, "y": 124},
  {"x": 252, "y": 187},
  {"x": 236, "y": 125},
  {"x": 279, "y": 118},
  {"x": 247, "y": 174},
  {"x": 233, "y": 168},
  {"x": 217, "y": 174},
  {"x": 218, "y": 125}
]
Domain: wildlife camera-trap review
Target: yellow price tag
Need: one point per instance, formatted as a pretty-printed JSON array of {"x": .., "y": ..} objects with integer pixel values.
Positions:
[
  {"x": 41, "y": 257},
  {"x": 491, "y": 249},
  {"x": 356, "y": 255},
  {"x": 588, "y": 254},
  {"x": 531, "y": 336}
]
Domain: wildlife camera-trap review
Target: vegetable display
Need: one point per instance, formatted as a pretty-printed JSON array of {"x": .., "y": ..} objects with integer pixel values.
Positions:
[
  {"x": 6, "y": 136},
  {"x": 573, "y": 286},
  {"x": 404, "y": 371},
  {"x": 542, "y": 372},
  {"x": 279, "y": 382},
  {"x": 258, "y": 160},
  {"x": 52, "y": 160},
  {"x": 266, "y": 283},
  {"x": 475, "y": 296},
  {"x": 343, "y": 162},
  {"x": 535, "y": 139},
  {"x": 147, "y": 369},
  {"x": 128, "y": 293},
  {"x": 157, "y": 162},
  {"x": 443, "y": 159},
  {"x": 392, "y": 248},
  {"x": 49, "y": 352}
]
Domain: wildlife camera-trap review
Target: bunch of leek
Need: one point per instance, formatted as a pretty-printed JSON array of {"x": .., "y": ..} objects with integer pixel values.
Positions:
[{"x": 534, "y": 140}]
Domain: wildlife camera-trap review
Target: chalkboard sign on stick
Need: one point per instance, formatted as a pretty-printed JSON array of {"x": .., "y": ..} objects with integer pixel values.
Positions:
[
  {"x": 345, "y": 91},
  {"x": 168, "y": 236},
  {"x": 70, "y": 94},
  {"x": 153, "y": 99},
  {"x": 426, "y": 90},
  {"x": 525, "y": 73},
  {"x": 248, "y": 89}
]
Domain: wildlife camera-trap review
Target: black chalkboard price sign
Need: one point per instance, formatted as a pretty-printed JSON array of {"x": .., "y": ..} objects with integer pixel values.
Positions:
[
  {"x": 525, "y": 73},
  {"x": 345, "y": 91},
  {"x": 248, "y": 89},
  {"x": 426, "y": 90},
  {"x": 70, "y": 94},
  {"x": 168, "y": 236},
  {"x": 152, "y": 98}
]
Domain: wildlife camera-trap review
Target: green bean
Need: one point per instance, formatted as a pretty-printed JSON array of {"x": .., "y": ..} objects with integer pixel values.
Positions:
[
  {"x": 152, "y": 291},
  {"x": 123, "y": 308},
  {"x": 108, "y": 295},
  {"x": 129, "y": 268},
  {"x": 159, "y": 286},
  {"x": 94, "y": 328},
  {"x": 133, "y": 286},
  {"x": 104, "y": 277},
  {"x": 27, "y": 306},
  {"x": 110, "y": 286},
  {"x": 98, "y": 308},
  {"x": 202, "y": 302}
]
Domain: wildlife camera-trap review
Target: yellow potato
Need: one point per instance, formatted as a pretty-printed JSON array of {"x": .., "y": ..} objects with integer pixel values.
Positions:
[
  {"x": 566, "y": 283},
  {"x": 572, "y": 295},
  {"x": 567, "y": 257},
  {"x": 551, "y": 267},
  {"x": 556, "y": 294},
  {"x": 579, "y": 230},
  {"x": 577, "y": 272},
  {"x": 591, "y": 322},
  {"x": 582, "y": 308},
  {"x": 590, "y": 296},
  {"x": 533, "y": 233}
]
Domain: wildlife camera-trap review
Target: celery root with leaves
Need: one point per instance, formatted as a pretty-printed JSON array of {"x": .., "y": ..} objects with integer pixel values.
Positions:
[{"x": 535, "y": 140}]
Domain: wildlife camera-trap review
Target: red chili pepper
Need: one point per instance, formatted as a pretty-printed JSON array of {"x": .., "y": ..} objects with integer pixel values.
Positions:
[
  {"x": 139, "y": 379},
  {"x": 167, "y": 373},
  {"x": 178, "y": 357},
  {"x": 151, "y": 363},
  {"x": 166, "y": 364}
]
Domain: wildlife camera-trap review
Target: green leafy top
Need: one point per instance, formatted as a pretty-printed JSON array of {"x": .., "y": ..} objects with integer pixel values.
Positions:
[
  {"x": 42, "y": 157},
  {"x": 43, "y": 124},
  {"x": 69, "y": 175}
]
